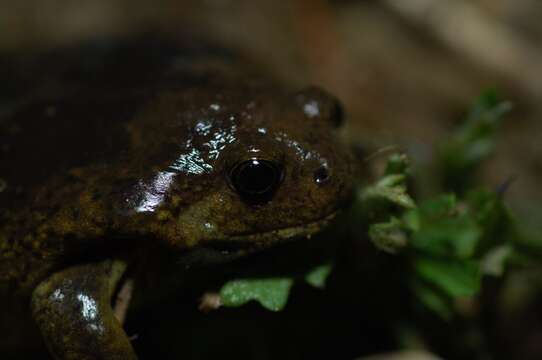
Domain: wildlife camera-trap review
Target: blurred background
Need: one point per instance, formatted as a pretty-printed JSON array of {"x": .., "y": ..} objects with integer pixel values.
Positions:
[{"x": 404, "y": 70}]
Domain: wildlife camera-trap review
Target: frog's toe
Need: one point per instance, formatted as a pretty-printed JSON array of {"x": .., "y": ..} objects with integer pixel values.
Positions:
[{"x": 73, "y": 310}]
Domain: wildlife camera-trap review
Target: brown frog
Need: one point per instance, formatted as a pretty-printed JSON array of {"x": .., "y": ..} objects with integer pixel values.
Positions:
[{"x": 114, "y": 149}]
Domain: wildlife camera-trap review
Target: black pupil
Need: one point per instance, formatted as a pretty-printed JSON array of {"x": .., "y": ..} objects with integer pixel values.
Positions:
[
  {"x": 321, "y": 175},
  {"x": 256, "y": 180},
  {"x": 337, "y": 116}
]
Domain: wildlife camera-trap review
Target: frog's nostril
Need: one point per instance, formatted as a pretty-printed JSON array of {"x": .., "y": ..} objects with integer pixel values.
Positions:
[{"x": 321, "y": 175}]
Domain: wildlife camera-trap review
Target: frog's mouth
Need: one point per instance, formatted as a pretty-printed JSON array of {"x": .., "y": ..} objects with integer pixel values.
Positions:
[
  {"x": 266, "y": 239},
  {"x": 221, "y": 250}
]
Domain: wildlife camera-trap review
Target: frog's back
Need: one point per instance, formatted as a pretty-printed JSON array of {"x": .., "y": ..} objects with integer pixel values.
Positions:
[
  {"x": 74, "y": 106},
  {"x": 69, "y": 115}
]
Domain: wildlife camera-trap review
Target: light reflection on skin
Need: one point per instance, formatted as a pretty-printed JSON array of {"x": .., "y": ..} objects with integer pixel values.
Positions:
[
  {"x": 203, "y": 127},
  {"x": 193, "y": 162},
  {"x": 58, "y": 295},
  {"x": 89, "y": 311},
  {"x": 219, "y": 141},
  {"x": 155, "y": 193},
  {"x": 311, "y": 109},
  {"x": 301, "y": 152}
]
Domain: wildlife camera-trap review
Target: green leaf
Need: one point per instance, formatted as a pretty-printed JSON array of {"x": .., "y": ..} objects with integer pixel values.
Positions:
[
  {"x": 389, "y": 236},
  {"x": 455, "y": 277},
  {"x": 392, "y": 180},
  {"x": 498, "y": 225},
  {"x": 472, "y": 143},
  {"x": 456, "y": 237},
  {"x": 494, "y": 261},
  {"x": 271, "y": 293},
  {"x": 389, "y": 189},
  {"x": 439, "y": 206},
  {"x": 398, "y": 164},
  {"x": 317, "y": 277},
  {"x": 438, "y": 228},
  {"x": 433, "y": 300}
]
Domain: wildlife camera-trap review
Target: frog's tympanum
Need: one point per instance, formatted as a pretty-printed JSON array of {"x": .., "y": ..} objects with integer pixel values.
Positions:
[{"x": 109, "y": 152}]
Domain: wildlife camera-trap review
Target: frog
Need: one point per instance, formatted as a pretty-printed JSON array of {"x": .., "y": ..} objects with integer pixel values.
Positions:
[{"x": 114, "y": 149}]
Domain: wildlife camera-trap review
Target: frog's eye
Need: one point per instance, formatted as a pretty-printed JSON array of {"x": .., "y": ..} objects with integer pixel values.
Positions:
[
  {"x": 256, "y": 180},
  {"x": 318, "y": 104},
  {"x": 337, "y": 114}
]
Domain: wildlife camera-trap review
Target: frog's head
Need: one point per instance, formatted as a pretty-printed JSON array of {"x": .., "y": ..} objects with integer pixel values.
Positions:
[
  {"x": 257, "y": 168},
  {"x": 269, "y": 169}
]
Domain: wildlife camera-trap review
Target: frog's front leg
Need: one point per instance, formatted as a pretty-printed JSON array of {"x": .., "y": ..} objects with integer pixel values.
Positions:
[{"x": 73, "y": 311}]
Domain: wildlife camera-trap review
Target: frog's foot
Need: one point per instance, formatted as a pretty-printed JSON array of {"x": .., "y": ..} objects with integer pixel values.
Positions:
[{"x": 73, "y": 311}]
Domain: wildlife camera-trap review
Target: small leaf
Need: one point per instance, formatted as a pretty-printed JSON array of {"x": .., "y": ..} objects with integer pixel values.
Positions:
[
  {"x": 455, "y": 237},
  {"x": 439, "y": 229},
  {"x": 398, "y": 164},
  {"x": 472, "y": 143},
  {"x": 389, "y": 236},
  {"x": 398, "y": 195},
  {"x": 495, "y": 260},
  {"x": 433, "y": 300},
  {"x": 271, "y": 293},
  {"x": 411, "y": 220},
  {"x": 455, "y": 277},
  {"x": 387, "y": 190},
  {"x": 494, "y": 218},
  {"x": 317, "y": 277},
  {"x": 391, "y": 180}
]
